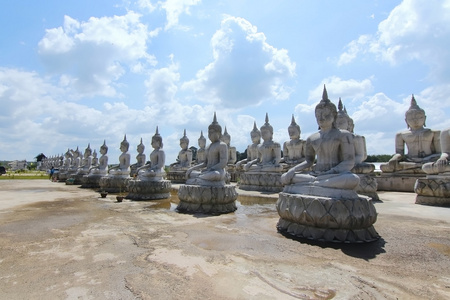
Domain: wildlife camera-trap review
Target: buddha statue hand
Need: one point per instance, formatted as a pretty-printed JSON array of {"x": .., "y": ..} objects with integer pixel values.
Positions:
[{"x": 286, "y": 178}]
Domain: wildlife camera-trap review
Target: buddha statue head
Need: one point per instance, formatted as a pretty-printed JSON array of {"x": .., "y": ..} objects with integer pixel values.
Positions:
[
  {"x": 214, "y": 130},
  {"x": 255, "y": 134},
  {"x": 184, "y": 141},
  {"x": 104, "y": 148},
  {"x": 140, "y": 148},
  {"x": 88, "y": 151},
  {"x": 294, "y": 129},
  {"x": 201, "y": 140},
  {"x": 325, "y": 111},
  {"x": 415, "y": 116},
  {"x": 94, "y": 154},
  {"x": 226, "y": 138},
  {"x": 343, "y": 120},
  {"x": 124, "y": 145},
  {"x": 157, "y": 140},
  {"x": 267, "y": 130}
]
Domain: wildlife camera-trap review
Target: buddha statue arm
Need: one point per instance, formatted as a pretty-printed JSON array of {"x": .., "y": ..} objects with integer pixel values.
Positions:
[
  {"x": 196, "y": 167},
  {"x": 189, "y": 157},
  {"x": 360, "y": 149},
  {"x": 310, "y": 155},
  {"x": 277, "y": 154},
  {"x": 437, "y": 145},
  {"x": 285, "y": 152},
  {"x": 161, "y": 161}
]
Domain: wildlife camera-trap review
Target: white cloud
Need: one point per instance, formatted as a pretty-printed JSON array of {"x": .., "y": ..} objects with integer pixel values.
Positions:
[
  {"x": 414, "y": 30},
  {"x": 246, "y": 70},
  {"x": 91, "y": 56},
  {"x": 174, "y": 8},
  {"x": 337, "y": 87}
]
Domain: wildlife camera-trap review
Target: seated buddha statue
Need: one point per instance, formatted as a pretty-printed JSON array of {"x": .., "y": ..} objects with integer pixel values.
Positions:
[
  {"x": 293, "y": 150},
  {"x": 140, "y": 159},
  {"x": 442, "y": 164},
  {"x": 422, "y": 143},
  {"x": 212, "y": 170},
  {"x": 269, "y": 156},
  {"x": 102, "y": 167},
  {"x": 94, "y": 159},
  {"x": 123, "y": 168},
  {"x": 344, "y": 122},
  {"x": 154, "y": 171},
  {"x": 68, "y": 156},
  {"x": 252, "y": 149},
  {"x": 226, "y": 138},
  {"x": 184, "y": 159},
  {"x": 86, "y": 162},
  {"x": 334, "y": 150},
  {"x": 201, "y": 152}
]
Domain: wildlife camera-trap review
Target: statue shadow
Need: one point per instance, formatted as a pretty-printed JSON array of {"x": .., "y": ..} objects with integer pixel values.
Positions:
[{"x": 365, "y": 251}]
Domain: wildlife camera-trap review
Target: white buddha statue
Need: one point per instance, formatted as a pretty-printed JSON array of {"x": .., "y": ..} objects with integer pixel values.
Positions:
[
  {"x": 154, "y": 171},
  {"x": 86, "y": 162},
  {"x": 252, "y": 149},
  {"x": 344, "y": 122},
  {"x": 184, "y": 159},
  {"x": 140, "y": 159},
  {"x": 269, "y": 152},
  {"x": 334, "y": 150},
  {"x": 102, "y": 167},
  {"x": 226, "y": 138},
  {"x": 422, "y": 144},
  {"x": 123, "y": 168},
  {"x": 442, "y": 164},
  {"x": 201, "y": 152},
  {"x": 213, "y": 168},
  {"x": 293, "y": 150}
]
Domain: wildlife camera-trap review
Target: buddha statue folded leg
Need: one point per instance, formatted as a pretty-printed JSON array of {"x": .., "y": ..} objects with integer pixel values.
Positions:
[{"x": 347, "y": 180}]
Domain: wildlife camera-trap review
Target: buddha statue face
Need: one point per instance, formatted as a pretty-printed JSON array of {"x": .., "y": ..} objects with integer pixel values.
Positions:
[
  {"x": 202, "y": 143},
  {"x": 103, "y": 150},
  {"x": 325, "y": 116},
  {"x": 140, "y": 148},
  {"x": 415, "y": 119},
  {"x": 124, "y": 147},
  {"x": 183, "y": 145},
  {"x": 342, "y": 123},
  {"x": 214, "y": 134},
  {"x": 156, "y": 143},
  {"x": 256, "y": 137},
  {"x": 294, "y": 133},
  {"x": 226, "y": 139},
  {"x": 266, "y": 134}
]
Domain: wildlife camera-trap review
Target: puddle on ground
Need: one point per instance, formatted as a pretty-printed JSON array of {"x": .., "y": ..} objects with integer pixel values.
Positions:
[{"x": 444, "y": 249}]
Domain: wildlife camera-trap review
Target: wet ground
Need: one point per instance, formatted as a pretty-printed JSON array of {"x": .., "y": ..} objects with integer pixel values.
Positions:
[{"x": 61, "y": 242}]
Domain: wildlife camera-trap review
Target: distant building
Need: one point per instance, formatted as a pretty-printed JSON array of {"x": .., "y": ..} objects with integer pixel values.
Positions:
[{"x": 18, "y": 165}]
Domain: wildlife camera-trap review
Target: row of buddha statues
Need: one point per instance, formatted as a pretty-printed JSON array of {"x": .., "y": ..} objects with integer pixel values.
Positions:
[{"x": 325, "y": 187}]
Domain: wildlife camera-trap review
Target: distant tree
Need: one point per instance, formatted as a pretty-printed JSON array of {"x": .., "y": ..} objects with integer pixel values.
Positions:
[
  {"x": 241, "y": 156},
  {"x": 378, "y": 158},
  {"x": 40, "y": 157}
]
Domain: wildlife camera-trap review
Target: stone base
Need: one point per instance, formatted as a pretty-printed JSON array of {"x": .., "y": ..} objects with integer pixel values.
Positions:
[
  {"x": 62, "y": 176},
  {"x": 148, "y": 190},
  {"x": 433, "y": 190},
  {"x": 368, "y": 186},
  {"x": 327, "y": 219},
  {"x": 177, "y": 176},
  {"x": 91, "y": 181},
  {"x": 114, "y": 184},
  {"x": 77, "y": 179},
  {"x": 263, "y": 182},
  {"x": 208, "y": 200},
  {"x": 397, "y": 183}
]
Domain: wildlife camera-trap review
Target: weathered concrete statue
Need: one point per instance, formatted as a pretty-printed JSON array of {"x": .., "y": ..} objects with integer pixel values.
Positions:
[
  {"x": 118, "y": 175},
  {"x": 177, "y": 170},
  {"x": 201, "y": 152},
  {"x": 98, "y": 170},
  {"x": 140, "y": 159},
  {"x": 322, "y": 204},
  {"x": 294, "y": 149},
  {"x": 367, "y": 182},
  {"x": 263, "y": 173},
  {"x": 403, "y": 169},
  {"x": 422, "y": 144},
  {"x": 252, "y": 149},
  {"x": 150, "y": 183},
  {"x": 232, "y": 157},
  {"x": 435, "y": 188},
  {"x": 206, "y": 190}
]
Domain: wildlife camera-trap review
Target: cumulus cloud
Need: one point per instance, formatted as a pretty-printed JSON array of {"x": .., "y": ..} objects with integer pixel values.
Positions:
[
  {"x": 174, "y": 8},
  {"x": 91, "y": 56},
  {"x": 246, "y": 69},
  {"x": 414, "y": 30},
  {"x": 346, "y": 89}
]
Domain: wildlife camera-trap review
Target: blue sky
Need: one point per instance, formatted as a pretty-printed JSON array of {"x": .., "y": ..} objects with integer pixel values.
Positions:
[{"x": 79, "y": 72}]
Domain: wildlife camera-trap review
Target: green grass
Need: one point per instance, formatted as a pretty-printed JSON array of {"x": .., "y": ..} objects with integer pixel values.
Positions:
[{"x": 24, "y": 175}]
